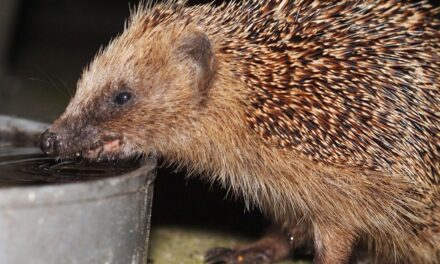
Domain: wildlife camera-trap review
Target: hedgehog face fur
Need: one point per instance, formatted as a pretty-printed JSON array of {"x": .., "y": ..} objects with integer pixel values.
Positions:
[{"x": 134, "y": 81}]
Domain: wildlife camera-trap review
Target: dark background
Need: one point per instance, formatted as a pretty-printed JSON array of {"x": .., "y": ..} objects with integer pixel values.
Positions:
[{"x": 44, "y": 44}]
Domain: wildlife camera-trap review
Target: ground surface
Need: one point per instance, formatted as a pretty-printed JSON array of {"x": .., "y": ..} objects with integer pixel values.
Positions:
[{"x": 174, "y": 245}]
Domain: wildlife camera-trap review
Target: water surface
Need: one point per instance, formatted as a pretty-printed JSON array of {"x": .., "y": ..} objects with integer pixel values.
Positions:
[{"x": 22, "y": 165}]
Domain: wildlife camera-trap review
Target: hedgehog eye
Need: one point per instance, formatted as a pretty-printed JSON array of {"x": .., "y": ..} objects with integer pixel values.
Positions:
[{"x": 122, "y": 98}]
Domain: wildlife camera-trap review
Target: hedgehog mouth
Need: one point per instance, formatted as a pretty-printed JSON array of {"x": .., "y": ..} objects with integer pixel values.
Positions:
[{"x": 109, "y": 148}]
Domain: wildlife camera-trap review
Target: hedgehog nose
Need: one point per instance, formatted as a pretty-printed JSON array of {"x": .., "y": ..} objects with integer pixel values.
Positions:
[{"x": 49, "y": 143}]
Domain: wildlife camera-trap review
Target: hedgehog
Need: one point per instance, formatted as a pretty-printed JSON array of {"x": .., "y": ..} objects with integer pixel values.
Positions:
[{"x": 324, "y": 115}]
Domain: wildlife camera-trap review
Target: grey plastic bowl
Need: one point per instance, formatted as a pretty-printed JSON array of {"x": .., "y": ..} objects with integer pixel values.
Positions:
[{"x": 102, "y": 221}]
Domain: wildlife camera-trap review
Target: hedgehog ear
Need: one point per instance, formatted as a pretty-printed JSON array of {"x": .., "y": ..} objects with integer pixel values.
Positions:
[{"x": 196, "y": 48}]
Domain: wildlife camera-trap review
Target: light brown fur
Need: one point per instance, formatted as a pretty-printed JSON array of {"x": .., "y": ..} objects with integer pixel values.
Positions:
[{"x": 207, "y": 124}]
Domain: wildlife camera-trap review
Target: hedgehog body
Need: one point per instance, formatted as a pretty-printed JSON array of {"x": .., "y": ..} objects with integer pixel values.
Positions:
[{"x": 323, "y": 114}]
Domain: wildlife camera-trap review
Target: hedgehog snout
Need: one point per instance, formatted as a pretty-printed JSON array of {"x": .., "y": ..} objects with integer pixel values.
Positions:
[{"x": 50, "y": 143}]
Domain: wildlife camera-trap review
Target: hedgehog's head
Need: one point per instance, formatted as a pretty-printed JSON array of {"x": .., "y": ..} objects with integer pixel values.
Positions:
[{"x": 143, "y": 89}]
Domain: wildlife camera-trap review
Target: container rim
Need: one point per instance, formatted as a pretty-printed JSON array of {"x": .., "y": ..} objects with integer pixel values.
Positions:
[
  {"x": 13, "y": 124},
  {"x": 78, "y": 192}
]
